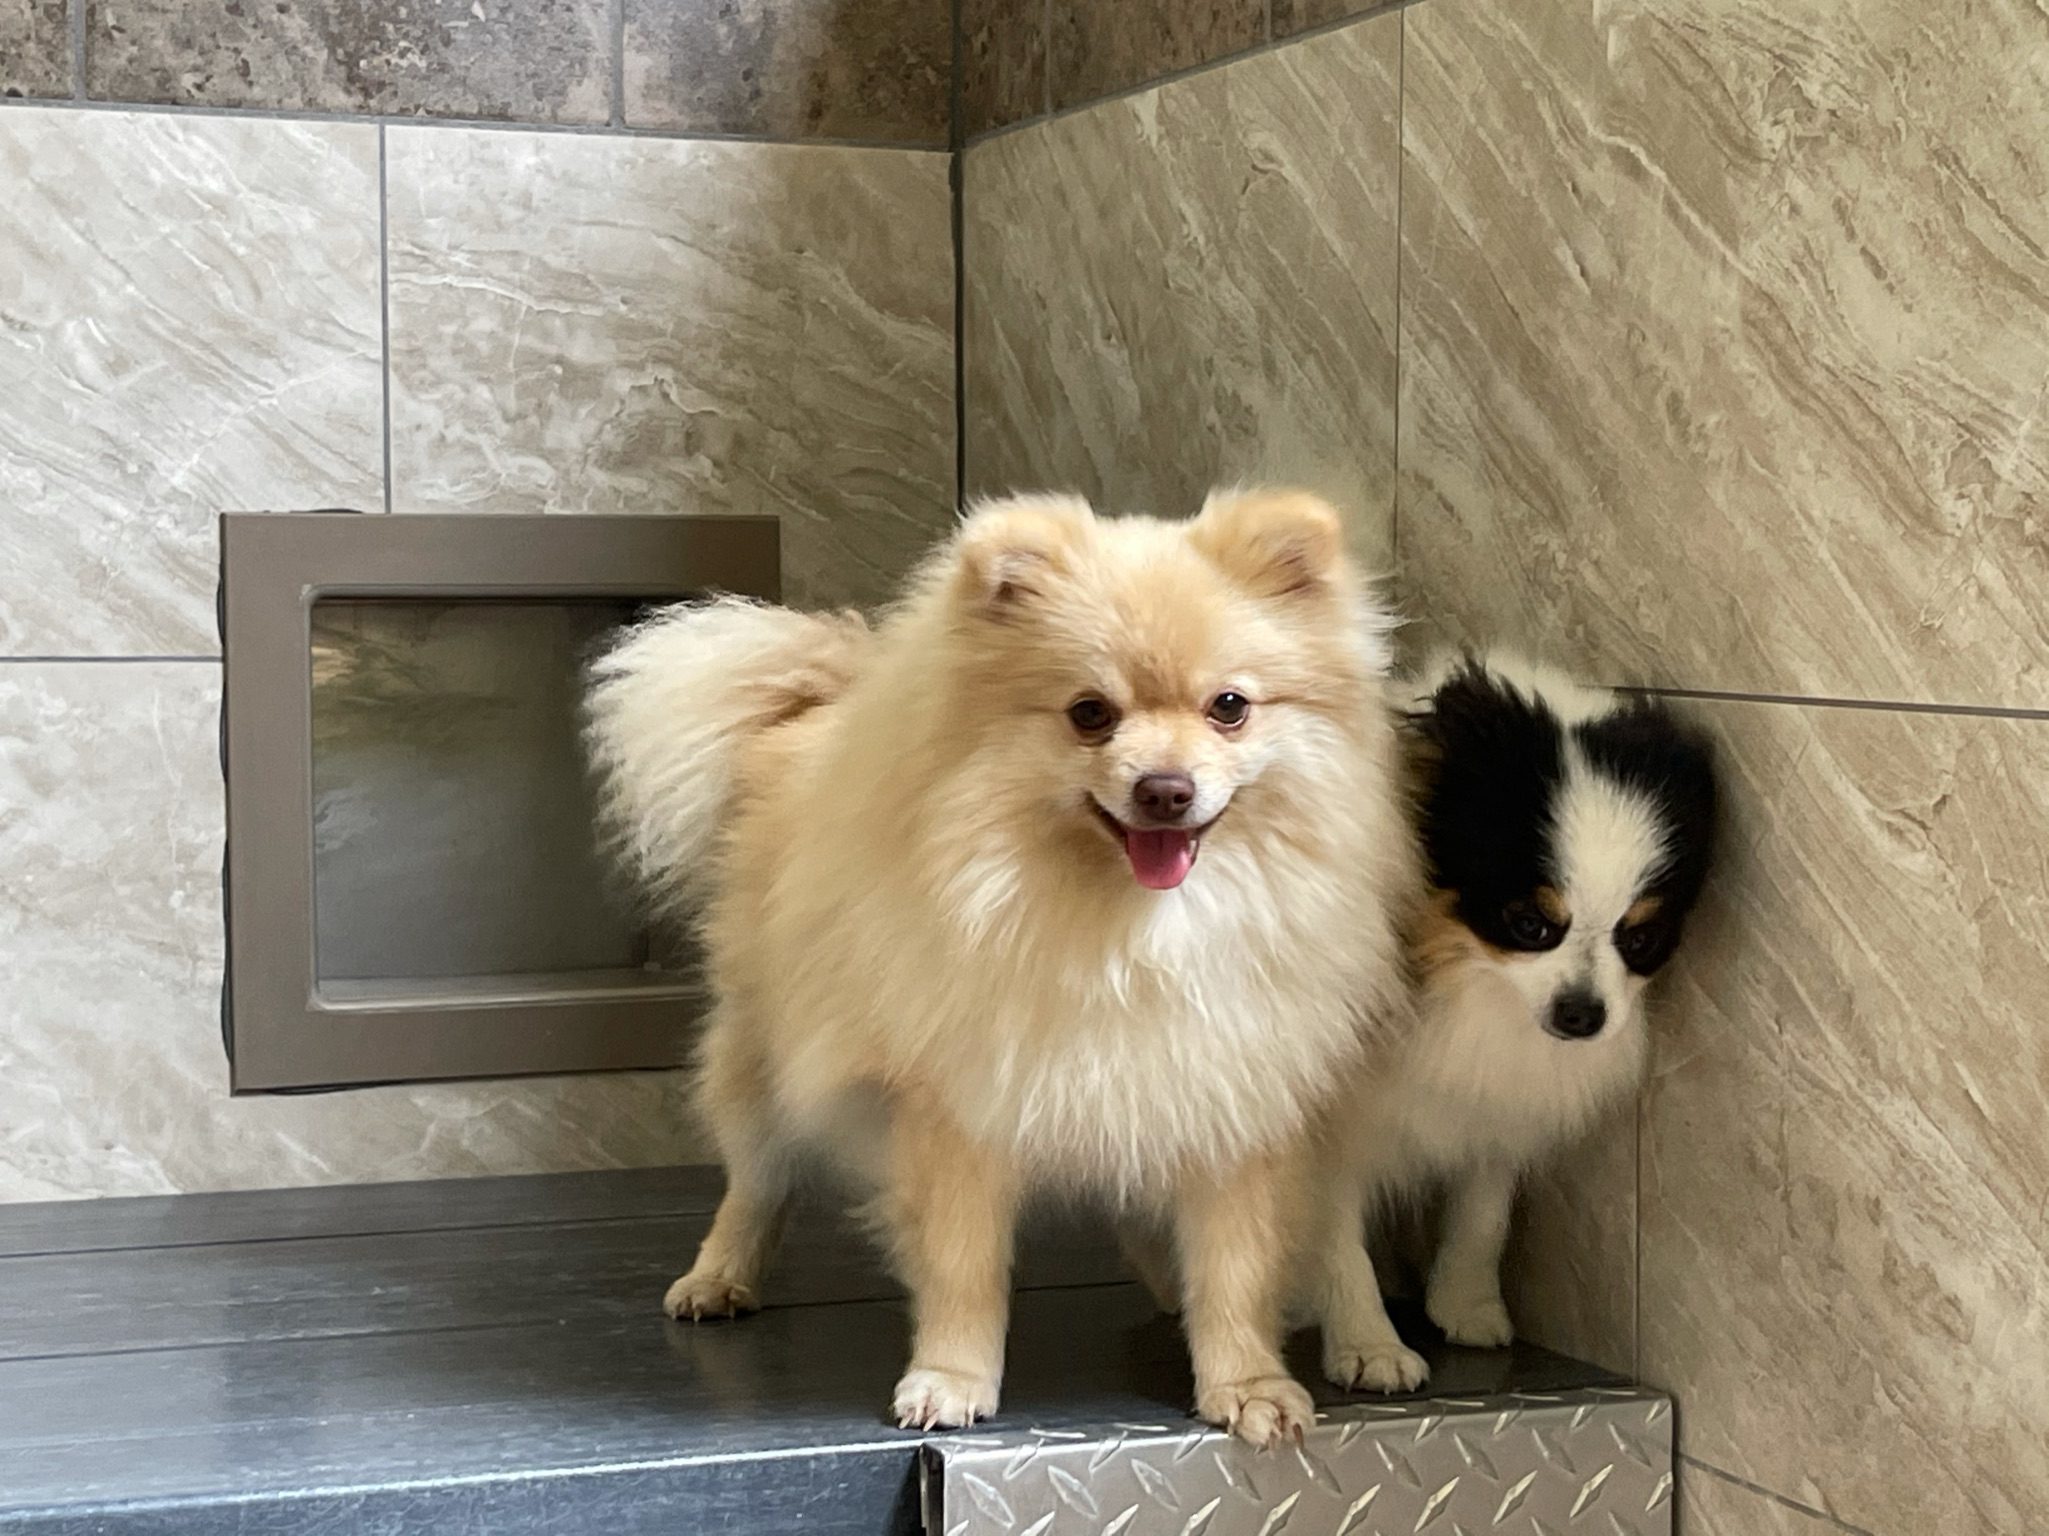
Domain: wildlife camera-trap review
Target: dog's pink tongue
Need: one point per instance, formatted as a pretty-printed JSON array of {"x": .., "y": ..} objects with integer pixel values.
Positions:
[{"x": 1160, "y": 860}]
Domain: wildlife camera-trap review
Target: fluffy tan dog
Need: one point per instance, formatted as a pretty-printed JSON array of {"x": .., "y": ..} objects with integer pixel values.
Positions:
[{"x": 1077, "y": 875}]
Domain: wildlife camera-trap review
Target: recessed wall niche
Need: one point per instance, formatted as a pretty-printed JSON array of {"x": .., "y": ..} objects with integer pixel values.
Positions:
[{"x": 416, "y": 884}]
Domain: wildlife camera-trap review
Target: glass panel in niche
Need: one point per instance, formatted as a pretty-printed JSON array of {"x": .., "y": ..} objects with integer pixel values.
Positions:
[{"x": 455, "y": 852}]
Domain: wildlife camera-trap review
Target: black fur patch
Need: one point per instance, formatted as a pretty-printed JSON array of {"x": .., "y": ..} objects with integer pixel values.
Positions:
[
  {"x": 1498, "y": 769},
  {"x": 1644, "y": 748},
  {"x": 1498, "y": 760}
]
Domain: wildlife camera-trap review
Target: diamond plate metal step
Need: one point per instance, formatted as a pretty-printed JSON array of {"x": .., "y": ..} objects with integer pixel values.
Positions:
[{"x": 1595, "y": 1460}]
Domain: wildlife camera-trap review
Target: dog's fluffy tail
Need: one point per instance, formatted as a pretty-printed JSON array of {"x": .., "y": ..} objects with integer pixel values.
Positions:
[{"x": 676, "y": 700}]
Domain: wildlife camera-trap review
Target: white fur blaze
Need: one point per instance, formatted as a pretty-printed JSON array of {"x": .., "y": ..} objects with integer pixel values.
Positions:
[{"x": 673, "y": 702}]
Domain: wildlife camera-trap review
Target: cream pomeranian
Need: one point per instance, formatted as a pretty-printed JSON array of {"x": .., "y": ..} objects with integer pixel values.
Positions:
[{"x": 1080, "y": 874}]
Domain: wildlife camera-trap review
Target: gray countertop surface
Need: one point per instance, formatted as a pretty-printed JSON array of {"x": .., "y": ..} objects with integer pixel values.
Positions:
[{"x": 490, "y": 1355}]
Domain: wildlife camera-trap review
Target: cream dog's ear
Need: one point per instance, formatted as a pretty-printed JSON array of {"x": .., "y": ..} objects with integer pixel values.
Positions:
[
  {"x": 1275, "y": 543},
  {"x": 1012, "y": 551}
]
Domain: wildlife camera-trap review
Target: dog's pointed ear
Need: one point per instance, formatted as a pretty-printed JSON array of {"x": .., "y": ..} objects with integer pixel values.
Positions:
[
  {"x": 1276, "y": 543},
  {"x": 1011, "y": 551}
]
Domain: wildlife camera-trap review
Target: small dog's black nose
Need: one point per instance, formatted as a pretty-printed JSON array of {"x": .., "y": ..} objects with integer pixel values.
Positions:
[
  {"x": 1164, "y": 796},
  {"x": 1578, "y": 1016}
]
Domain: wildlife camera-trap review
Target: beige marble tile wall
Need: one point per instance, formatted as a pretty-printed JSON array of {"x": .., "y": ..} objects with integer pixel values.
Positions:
[
  {"x": 198, "y": 309},
  {"x": 1187, "y": 286},
  {"x": 1722, "y": 366}
]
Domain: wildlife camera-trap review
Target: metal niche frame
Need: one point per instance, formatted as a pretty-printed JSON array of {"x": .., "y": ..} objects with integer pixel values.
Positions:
[{"x": 275, "y": 567}]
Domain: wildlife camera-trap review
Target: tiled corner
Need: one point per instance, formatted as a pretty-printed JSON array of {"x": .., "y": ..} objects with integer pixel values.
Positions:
[
  {"x": 1713, "y": 373},
  {"x": 112, "y": 1076},
  {"x": 790, "y": 69},
  {"x": 1192, "y": 286},
  {"x": 631, "y": 325},
  {"x": 519, "y": 60},
  {"x": 1097, "y": 47},
  {"x": 1710, "y": 1505},
  {"x": 1570, "y": 1276},
  {"x": 35, "y": 48},
  {"x": 1845, "y": 1262},
  {"x": 1002, "y": 64},
  {"x": 191, "y": 328}
]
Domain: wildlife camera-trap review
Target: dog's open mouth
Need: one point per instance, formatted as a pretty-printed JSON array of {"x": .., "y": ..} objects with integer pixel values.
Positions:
[{"x": 1161, "y": 857}]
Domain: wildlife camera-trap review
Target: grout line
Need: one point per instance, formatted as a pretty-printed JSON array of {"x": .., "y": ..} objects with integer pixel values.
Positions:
[
  {"x": 384, "y": 302},
  {"x": 1175, "y": 76},
  {"x": 1777, "y": 1498},
  {"x": 77, "y": 20},
  {"x": 106, "y": 660},
  {"x": 1886, "y": 706},
  {"x": 618, "y": 27},
  {"x": 1401, "y": 130},
  {"x": 956, "y": 184},
  {"x": 473, "y": 124},
  {"x": 1636, "y": 1245}
]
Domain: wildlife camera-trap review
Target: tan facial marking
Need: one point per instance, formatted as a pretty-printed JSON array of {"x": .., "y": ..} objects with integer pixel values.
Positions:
[
  {"x": 1551, "y": 904},
  {"x": 1642, "y": 910}
]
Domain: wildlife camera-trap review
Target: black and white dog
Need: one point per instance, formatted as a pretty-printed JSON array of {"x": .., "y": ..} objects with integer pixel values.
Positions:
[{"x": 1566, "y": 833}]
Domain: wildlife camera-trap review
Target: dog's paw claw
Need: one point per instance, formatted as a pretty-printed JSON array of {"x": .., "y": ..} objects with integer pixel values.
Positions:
[
  {"x": 1262, "y": 1411},
  {"x": 698, "y": 1296},
  {"x": 1481, "y": 1323},
  {"x": 1375, "y": 1367},
  {"x": 929, "y": 1398}
]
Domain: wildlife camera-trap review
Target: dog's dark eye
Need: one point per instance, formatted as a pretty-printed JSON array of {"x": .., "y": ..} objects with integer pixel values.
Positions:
[
  {"x": 1229, "y": 709},
  {"x": 1529, "y": 928},
  {"x": 1642, "y": 947},
  {"x": 1092, "y": 716}
]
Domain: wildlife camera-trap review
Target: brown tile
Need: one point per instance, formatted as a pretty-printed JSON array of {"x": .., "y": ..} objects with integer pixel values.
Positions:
[
  {"x": 1003, "y": 62},
  {"x": 1713, "y": 367},
  {"x": 1101, "y": 46},
  {"x": 546, "y": 61},
  {"x": 1845, "y": 1256},
  {"x": 1292, "y": 16},
  {"x": 35, "y": 48},
  {"x": 1186, "y": 287},
  {"x": 791, "y": 69}
]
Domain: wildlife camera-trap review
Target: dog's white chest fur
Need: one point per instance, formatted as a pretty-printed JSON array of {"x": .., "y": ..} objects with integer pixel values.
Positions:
[{"x": 1184, "y": 1072}]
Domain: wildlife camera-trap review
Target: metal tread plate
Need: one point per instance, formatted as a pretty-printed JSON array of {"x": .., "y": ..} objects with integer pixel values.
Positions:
[{"x": 1592, "y": 1459}]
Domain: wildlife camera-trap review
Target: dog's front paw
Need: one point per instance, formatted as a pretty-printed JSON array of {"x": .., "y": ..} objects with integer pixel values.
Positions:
[
  {"x": 1481, "y": 1321},
  {"x": 697, "y": 1296},
  {"x": 929, "y": 1398},
  {"x": 1262, "y": 1411},
  {"x": 1374, "y": 1367}
]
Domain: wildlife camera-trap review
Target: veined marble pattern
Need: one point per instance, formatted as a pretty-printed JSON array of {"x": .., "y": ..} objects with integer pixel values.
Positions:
[
  {"x": 1845, "y": 1185},
  {"x": 606, "y": 325},
  {"x": 1723, "y": 362},
  {"x": 1095, "y": 47},
  {"x": 1570, "y": 1276},
  {"x": 35, "y": 48},
  {"x": 1715, "y": 1506},
  {"x": 525, "y": 60},
  {"x": 1002, "y": 62},
  {"x": 188, "y": 325},
  {"x": 1194, "y": 285},
  {"x": 112, "y": 1076},
  {"x": 853, "y": 69}
]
